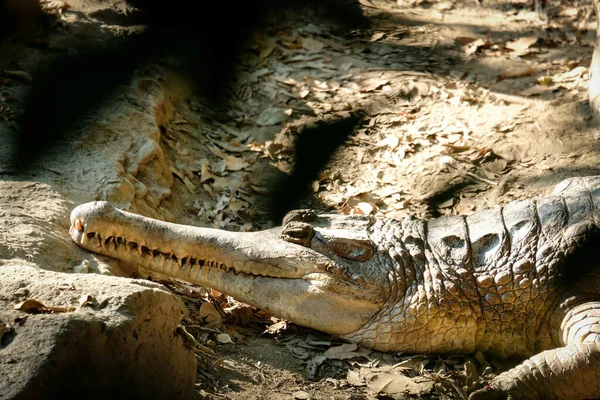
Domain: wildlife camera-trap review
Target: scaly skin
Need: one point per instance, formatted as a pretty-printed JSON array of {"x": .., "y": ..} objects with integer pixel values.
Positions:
[{"x": 513, "y": 281}]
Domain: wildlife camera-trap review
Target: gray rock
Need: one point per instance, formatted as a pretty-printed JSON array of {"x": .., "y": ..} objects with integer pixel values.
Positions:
[{"x": 125, "y": 345}]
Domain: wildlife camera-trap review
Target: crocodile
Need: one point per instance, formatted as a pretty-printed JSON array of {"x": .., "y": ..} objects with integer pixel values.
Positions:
[{"x": 518, "y": 281}]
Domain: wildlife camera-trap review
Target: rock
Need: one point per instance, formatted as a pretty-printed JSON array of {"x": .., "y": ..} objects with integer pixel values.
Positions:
[{"x": 122, "y": 343}]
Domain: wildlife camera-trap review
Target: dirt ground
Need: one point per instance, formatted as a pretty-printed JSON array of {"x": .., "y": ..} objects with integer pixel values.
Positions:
[{"x": 469, "y": 106}]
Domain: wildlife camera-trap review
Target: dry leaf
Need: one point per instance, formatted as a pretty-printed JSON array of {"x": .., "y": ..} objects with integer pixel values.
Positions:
[
  {"x": 316, "y": 186},
  {"x": 205, "y": 173},
  {"x": 315, "y": 340},
  {"x": 188, "y": 184},
  {"x": 391, "y": 141},
  {"x": 272, "y": 149},
  {"x": 396, "y": 383},
  {"x": 266, "y": 50},
  {"x": 545, "y": 80},
  {"x": 22, "y": 75},
  {"x": 273, "y": 116},
  {"x": 516, "y": 72},
  {"x": 312, "y": 45},
  {"x": 464, "y": 40},
  {"x": 217, "y": 152},
  {"x": 241, "y": 313},
  {"x": 574, "y": 74},
  {"x": 474, "y": 46},
  {"x": 444, "y": 5},
  {"x": 56, "y": 6},
  {"x": 568, "y": 11},
  {"x": 286, "y": 80},
  {"x": 313, "y": 365},
  {"x": 32, "y": 306},
  {"x": 233, "y": 146},
  {"x": 316, "y": 84},
  {"x": 223, "y": 338},
  {"x": 236, "y": 206},
  {"x": 245, "y": 92},
  {"x": 234, "y": 163},
  {"x": 301, "y": 90},
  {"x": 471, "y": 373},
  {"x": 416, "y": 363},
  {"x": 209, "y": 314},
  {"x": 446, "y": 204},
  {"x": 292, "y": 43},
  {"x": 87, "y": 300},
  {"x": 370, "y": 85},
  {"x": 301, "y": 395},
  {"x": 538, "y": 89},
  {"x": 82, "y": 268},
  {"x": 521, "y": 46},
  {"x": 376, "y": 36},
  {"x": 343, "y": 352},
  {"x": 365, "y": 208},
  {"x": 298, "y": 352},
  {"x": 355, "y": 378},
  {"x": 277, "y": 327}
]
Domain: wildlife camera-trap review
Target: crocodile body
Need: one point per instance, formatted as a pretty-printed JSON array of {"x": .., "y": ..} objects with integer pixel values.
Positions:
[{"x": 515, "y": 281}]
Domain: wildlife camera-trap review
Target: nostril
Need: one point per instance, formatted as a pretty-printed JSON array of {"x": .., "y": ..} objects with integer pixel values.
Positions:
[{"x": 78, "y": 225}]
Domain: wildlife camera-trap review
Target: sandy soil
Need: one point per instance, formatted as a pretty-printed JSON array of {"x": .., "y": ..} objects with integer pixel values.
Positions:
[{"x": 469, "y": 106}]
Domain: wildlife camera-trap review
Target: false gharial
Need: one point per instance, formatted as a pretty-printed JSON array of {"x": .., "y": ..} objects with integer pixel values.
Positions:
[{"x": 520, "y": 280}]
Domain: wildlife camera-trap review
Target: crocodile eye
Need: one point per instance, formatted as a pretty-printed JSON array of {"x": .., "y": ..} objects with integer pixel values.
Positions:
[
  {"x": 298, "y": 232},
  {"x": 352, "y": 249}
]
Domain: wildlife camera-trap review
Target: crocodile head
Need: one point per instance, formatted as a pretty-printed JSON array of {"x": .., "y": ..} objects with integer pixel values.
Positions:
[{"x": 318, "y": 271}]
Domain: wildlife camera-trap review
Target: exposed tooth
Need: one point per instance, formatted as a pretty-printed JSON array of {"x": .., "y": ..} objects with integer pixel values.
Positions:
[{"x": 174, "y": 266}]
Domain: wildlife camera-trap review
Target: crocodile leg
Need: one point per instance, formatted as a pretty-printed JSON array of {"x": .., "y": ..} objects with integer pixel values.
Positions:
[{"x": 569, "y": 372}]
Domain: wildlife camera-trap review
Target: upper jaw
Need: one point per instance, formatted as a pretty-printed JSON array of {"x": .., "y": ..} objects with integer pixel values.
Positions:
[{"x": 101, "y": 228}]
